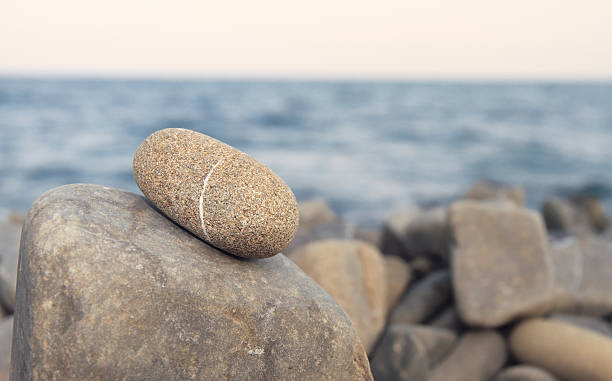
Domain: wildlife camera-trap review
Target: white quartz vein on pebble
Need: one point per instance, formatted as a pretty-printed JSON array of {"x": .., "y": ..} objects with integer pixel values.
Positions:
[
  {"x": 256, "y": 351},
  {"x": 202, "y": 199}
]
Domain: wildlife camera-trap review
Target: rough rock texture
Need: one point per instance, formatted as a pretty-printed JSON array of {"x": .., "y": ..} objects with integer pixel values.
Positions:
[
  {"x": 6, "y": 333},
  {"x": 353, "y": 273},
  {"x": 397, "y": 277},
  {"x": 582, "y": 271},
  {"x": 424, "y": 299},
  {"x": 437, "y": 342},
  {"x": 572, "y": 353},
  {"x": 108, "y": 289},
  {"x": 477, "y": 357},
  {"x": 486, "y": 190},
  {"x": 501, "y": 268},
  {"x": 400, "y": 356},
  {"x": 417, "y": 232},
  {"x": 524, "y": 373},
  {"x": 10, "y": 235},
  {"x": 216, "y": 192}
]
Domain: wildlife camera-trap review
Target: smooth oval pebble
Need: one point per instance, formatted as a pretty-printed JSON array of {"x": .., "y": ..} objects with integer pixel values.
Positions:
[
  {"x": 570, "y": 352},
  {"x": 218, "y": 193}
]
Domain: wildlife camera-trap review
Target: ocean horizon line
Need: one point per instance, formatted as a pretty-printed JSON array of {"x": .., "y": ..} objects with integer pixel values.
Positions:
[{"x": 158, "y": 77}]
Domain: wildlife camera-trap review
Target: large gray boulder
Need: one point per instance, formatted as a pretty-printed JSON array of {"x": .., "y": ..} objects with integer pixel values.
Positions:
[
  {"x": 501, "y": 267},
  {"x": 110, "y": 289}
]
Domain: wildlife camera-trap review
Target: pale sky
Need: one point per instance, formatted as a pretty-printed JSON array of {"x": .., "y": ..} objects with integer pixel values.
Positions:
[{"x": 564, "y": 39}]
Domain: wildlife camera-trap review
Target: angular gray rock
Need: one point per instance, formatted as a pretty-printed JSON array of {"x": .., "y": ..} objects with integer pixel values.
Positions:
[
  {"x": 424, "y": 299},
  {"x": 501, "y": 266},
  {"x": 400, "y": 356},
  {"x": 108, "y": 288},
  {"x": 477, "y": 357}
]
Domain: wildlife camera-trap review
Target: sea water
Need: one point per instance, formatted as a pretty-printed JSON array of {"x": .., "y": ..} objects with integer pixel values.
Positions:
[{"x": 367, "y": 147}]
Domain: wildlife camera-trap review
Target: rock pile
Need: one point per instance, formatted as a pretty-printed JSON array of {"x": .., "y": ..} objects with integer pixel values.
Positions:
[{"x": 473, "y": 275}]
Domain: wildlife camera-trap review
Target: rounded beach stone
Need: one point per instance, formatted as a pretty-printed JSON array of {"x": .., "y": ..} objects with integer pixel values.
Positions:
[
  {"x": 568, "y": 351},
  {"x": 218, "y": 193}
]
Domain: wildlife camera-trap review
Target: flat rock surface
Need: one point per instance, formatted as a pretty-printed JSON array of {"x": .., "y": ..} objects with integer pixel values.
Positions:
[
  {"x": 501, "y": 266},
  {"x": 570, "y": 352},
  {"x": 353, "y": 273},
  {"x": 477, "y": 357},
  {"x": 110, "y": 289},
  {"x": 218, "y": 193}
]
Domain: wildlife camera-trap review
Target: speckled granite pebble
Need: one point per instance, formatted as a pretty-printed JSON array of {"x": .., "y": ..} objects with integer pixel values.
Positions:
[{"x": 218, "y": 193}]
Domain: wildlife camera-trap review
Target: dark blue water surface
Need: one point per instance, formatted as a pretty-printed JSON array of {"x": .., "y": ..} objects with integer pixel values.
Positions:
[{"x": 367, "y": 147}]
